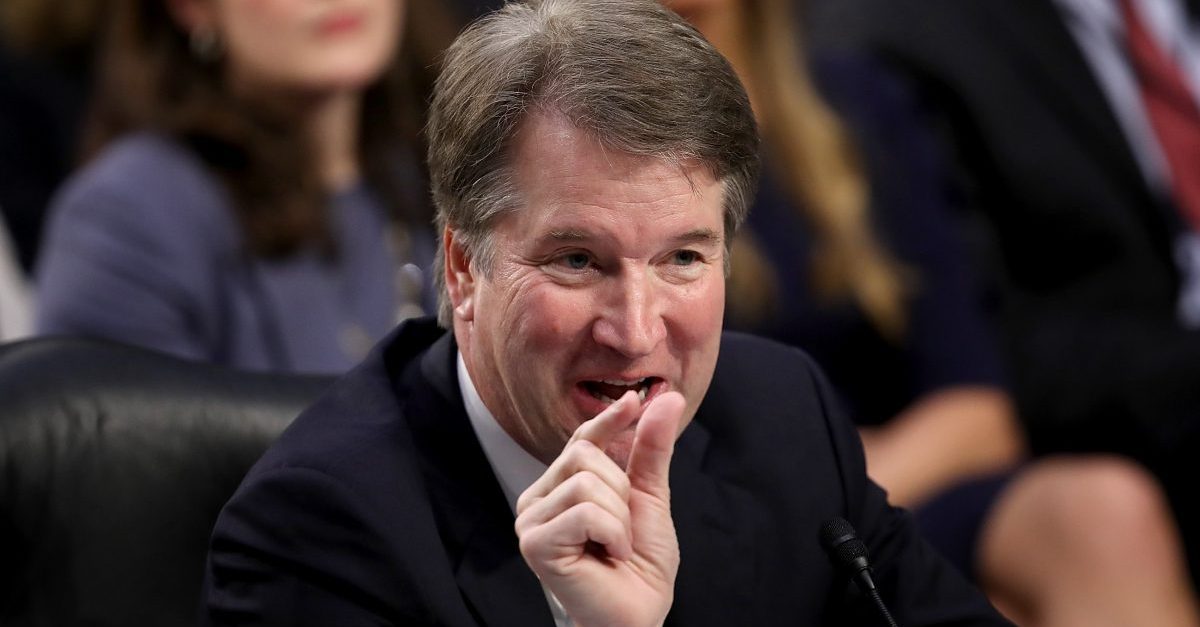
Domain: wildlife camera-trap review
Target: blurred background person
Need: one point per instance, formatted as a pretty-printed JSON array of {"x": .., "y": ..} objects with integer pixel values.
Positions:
[
  {"x": 15, "y": 299},
  {"x": 1075, "y": 131},
  {"x": 255, "y": 196},
  {"x": 46, "y": 56},
  {"x": 850, "y": 252}
]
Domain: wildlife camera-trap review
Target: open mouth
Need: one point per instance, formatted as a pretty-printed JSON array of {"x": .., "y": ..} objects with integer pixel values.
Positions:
[{"x": 609, "y": 390}]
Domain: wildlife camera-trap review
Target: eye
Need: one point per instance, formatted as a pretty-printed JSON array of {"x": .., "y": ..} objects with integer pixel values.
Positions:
[
  {"x": 572, "y": 265},
  {"x": 684, "y": 265},
  {"x": 685, "y": 257},
  {"x": 576, "y": 261}
]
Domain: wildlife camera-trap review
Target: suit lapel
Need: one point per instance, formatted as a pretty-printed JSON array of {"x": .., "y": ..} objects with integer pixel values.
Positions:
[
  {"x": 1047, "y": 54},
  {"x": 472, "y": 514},
  {"x": 716, "y": 540}
]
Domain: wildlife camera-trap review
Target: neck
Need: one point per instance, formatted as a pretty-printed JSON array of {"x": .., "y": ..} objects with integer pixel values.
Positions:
[{"x": 332, "y": 125}]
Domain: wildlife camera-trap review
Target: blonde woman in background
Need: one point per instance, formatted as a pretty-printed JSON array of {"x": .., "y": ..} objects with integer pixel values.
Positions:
[{"x": 850, "y": 253}]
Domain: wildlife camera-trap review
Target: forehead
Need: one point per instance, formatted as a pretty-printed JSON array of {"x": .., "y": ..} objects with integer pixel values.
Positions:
[{"x": 556, "y": 166}]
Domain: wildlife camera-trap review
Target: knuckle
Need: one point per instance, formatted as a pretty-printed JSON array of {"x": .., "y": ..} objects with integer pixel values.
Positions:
[
  {"x": 579, "y": 453},
  {"x": 586, "y": 512},
  {"x": 525, "y": 501},
  {"x": 522, "y": 524},
  {"x": 530, "y": 543},
  {"x": 586, "y": 483}
]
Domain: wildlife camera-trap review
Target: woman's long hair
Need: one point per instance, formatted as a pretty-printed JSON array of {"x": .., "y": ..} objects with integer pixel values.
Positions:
[
  {"x": 149, "y": 78},
  {"x": 51, "y": 26},
  {"x": 813, "y": 156}
]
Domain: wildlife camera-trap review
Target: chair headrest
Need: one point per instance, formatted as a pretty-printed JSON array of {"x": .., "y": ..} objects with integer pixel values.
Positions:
[{"x": 116, "y": 462}]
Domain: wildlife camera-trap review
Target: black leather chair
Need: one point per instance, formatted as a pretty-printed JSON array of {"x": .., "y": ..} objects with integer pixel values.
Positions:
[{"x": 115, "y": 464}]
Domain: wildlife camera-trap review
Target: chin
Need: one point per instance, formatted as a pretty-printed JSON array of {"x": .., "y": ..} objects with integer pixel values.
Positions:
[
  {"x": 347, "y": 79},
  {"x": 349, "y": 68}
]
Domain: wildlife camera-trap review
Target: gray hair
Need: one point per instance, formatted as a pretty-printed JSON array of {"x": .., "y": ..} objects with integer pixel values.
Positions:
[{"x": 629, "y": 73}]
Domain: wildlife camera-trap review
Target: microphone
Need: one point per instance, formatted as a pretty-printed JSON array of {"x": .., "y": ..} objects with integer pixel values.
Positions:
[{"x": 849, "y": 554}]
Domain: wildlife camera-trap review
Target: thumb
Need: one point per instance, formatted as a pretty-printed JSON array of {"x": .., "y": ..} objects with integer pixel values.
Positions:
[{"x": 654, "y": 443}]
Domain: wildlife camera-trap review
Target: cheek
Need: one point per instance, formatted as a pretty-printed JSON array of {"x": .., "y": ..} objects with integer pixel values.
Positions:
[
  {"x": 700, "y": 310},
  {"x": 549, "y": 318},
  {"x": 253, "y": 56},
  {"x": 389, "y": 20},
  {"x": 696, "y": 338},
  {"x": 246, "y": 24},
  {"x": 363, "y": 58}
]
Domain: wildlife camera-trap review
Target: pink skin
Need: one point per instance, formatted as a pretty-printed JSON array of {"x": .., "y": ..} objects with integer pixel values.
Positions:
[
  {"x": 313, "y": 47},
  {"x": 346, "y": 23},
  {"x": 612, "y": 268},
  {"x": 585, "y": 501}
]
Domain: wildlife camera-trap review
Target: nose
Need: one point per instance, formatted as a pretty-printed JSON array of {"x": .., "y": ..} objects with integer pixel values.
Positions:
[{"x": 631, "y": 320}]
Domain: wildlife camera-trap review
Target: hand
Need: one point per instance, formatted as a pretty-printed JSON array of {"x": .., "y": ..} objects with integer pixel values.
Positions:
[{"x": 601, "y": 538}]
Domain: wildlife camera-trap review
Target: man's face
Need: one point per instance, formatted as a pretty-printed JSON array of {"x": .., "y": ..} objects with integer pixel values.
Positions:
[{"x": 609, "y": 277}]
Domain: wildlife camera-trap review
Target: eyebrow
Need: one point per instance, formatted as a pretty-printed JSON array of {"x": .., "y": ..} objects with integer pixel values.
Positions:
[
  {"x": 700, "y": 236},
  {"x": 695, "y": 236}
]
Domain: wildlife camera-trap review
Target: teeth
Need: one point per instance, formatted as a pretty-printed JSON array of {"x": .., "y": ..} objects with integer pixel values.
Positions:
[{"x": 641, "y": 386}]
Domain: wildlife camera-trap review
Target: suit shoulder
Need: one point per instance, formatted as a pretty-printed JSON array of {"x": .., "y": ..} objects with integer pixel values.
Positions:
[
  {"x": 359, "y": 426},
  {"x": 743, "y": 354},
  {"x": 780, "y": 381},
  {"x": 356, "y": 425}
]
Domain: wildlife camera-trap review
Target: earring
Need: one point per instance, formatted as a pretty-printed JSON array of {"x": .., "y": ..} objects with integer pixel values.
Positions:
[{"x": 204, "y": 43}]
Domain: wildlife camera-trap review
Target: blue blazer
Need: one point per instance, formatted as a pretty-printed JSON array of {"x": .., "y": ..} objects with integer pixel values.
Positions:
[{"x": 378, "y": 507}]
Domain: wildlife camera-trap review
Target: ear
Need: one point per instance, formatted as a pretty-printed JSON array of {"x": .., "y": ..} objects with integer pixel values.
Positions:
[
  {"x": 460, "y": 280},
  {"x": 193, "y": 14}
]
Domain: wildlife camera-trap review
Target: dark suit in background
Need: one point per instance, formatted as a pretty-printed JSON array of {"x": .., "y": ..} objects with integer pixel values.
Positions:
[
  {"x": 1079, "y": 246},
  {"x": 378, "y": 507}
]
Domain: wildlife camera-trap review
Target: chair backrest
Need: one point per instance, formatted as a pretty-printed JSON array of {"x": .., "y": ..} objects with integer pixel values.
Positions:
[{"x": 116, "y": 462}]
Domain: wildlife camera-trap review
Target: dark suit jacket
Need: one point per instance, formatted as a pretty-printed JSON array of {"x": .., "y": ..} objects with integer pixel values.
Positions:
[
  {"x": 1082, "y": 248},
  {"x": 378, "y": 507}
]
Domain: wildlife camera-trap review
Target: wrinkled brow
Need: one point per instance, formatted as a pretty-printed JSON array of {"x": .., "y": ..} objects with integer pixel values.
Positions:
[{"x": 695, "y": 236}]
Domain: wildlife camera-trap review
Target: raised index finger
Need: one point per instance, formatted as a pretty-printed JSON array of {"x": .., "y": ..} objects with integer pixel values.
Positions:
[
  {"x": 610, "y": 422},
  {"x": 598, "y": 431}
]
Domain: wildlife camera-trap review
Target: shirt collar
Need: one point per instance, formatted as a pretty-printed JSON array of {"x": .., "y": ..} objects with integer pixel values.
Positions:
[
  {"x": 513, "y": 466},
  {"x": 1167, "y": 20},
  {"x": 1098, "y": 13}
]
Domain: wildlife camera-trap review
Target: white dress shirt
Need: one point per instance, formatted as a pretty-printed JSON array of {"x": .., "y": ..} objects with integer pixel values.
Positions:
[{"x": 513, "y": 466}]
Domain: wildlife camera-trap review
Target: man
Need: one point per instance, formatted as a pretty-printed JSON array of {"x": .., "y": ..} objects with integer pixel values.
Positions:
[
  {"x": 1085, "y": 186},
  {"x": 590, "y": 160}
]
